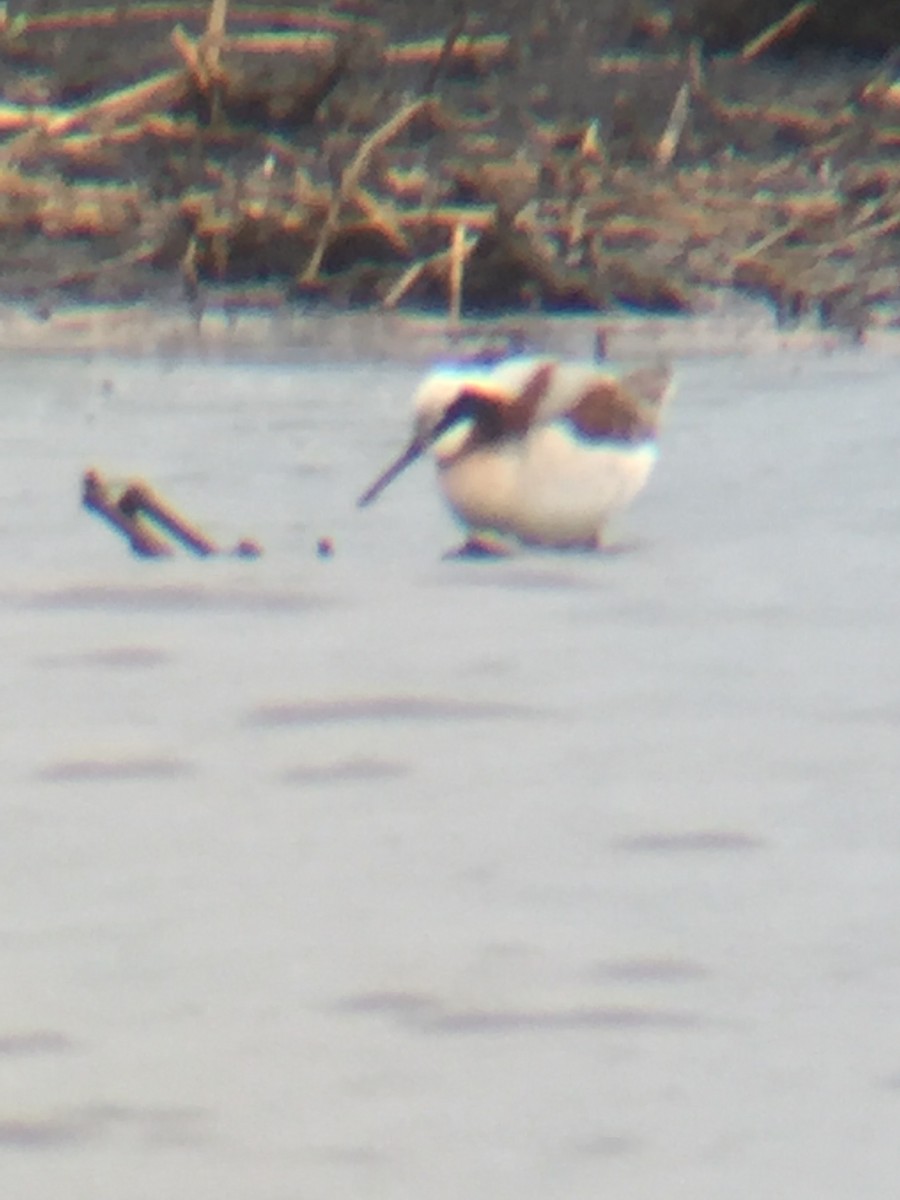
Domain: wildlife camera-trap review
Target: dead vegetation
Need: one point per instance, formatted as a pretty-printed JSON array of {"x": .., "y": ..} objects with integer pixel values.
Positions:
[{"x": 310, "y": 153}]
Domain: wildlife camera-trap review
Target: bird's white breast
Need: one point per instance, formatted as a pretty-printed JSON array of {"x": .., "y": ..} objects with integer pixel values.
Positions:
[{"x": 549, "y": 487}]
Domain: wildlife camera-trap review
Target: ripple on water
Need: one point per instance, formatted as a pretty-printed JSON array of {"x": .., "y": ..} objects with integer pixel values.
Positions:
[
  {"x": 506, "y": 574},
  {"x": 701, "y": 840},
  {"x": 173, "y": 598},
  {"x": 40, "y": 1133},
  {"x": 476, "y": 1021},
  {"x": 348, "y": 770},
  {"x": 115, "y": 770},
  {"x": 427, "y": 1015},
  {"x": 397, "y": 1004},
  {"x": 154, "y": 1126},
  {"x": 32, "y": 1042},
  {"x": 382, "y": 708},
  {"x": 649, "y": 970},
  {"x": 113, "y": 658},
  {"x": 609, "y": 1145}
]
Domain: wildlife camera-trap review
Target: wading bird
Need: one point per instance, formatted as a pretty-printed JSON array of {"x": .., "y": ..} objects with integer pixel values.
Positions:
[{"x": 536, "y": 450}]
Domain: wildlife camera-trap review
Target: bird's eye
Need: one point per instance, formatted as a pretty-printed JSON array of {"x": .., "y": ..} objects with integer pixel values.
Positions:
[
  {"x": 476, "y": 409},
  {"x": 462, "y": 408}
]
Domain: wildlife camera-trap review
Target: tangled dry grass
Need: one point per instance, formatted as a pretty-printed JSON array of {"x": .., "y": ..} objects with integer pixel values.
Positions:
[{"x": 311, "y": 153}]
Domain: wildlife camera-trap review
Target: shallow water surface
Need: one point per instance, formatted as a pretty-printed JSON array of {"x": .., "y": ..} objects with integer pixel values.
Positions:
[{"x": 386, "y": 875}]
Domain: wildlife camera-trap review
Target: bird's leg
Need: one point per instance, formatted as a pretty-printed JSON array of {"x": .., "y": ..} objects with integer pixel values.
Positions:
[{"x": 482, "y": 544}]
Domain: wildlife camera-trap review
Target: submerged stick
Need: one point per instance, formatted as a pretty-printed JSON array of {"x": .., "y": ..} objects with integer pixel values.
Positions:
[
  {"x": 96, "y": 498},
  {"x": 139, "y": 498},
  {"x": 130, "y": 510}
]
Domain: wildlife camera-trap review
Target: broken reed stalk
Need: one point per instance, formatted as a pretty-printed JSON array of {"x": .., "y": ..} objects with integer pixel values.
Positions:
[
  {"x": 440, "y": 263},
  {"x": 121, "y": 106},
  {"x": 778, "y": 29},
  {"x": 159, "y": 91},
  {"x": 188, "y": 49},
  {"x": 351, "y": 176},
  {"x": 313, "y": 46},
  {"x": 882, "y": 94},
  {"x": 590, "y": 146},
  {"x": 453, "y": 35},
  {"x": 576, "y": 225},
  {"x": 214, "y": 34},
  {"x": 381, "y": 217},
  {"x": 695, "y": 68},
  {"x": 759, "y": 247},
  {"x": 135, "y": 102},
  {"x": 668, "y": 143},
  {"x": 482, "y": 52},
  {"x": 410, "y": 276},
  {"x": 457, "y": 265},
  {"x": 560, "y": 235},
  {"x": 123, "y": 13},
  {"x": 884, "y": 228},
  {"x": 211, "y": 54},
  {"x": 203, "y": 58}
]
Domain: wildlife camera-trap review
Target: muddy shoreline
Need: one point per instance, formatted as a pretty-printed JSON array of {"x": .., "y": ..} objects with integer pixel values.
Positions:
[
  {"x": 518, "y": 161},
  {"x": 144, "y": 329}
]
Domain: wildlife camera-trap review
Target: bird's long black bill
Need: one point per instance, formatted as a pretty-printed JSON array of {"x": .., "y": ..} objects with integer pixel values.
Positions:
[{"x": 413, "y": 451}]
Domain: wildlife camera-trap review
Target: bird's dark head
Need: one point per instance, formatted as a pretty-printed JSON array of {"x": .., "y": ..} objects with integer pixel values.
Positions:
[{"x": 452, "y": 416}]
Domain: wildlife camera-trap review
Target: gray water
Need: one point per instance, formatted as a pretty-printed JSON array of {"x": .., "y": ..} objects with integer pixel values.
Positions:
[{"x": 387, "y": 876}]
